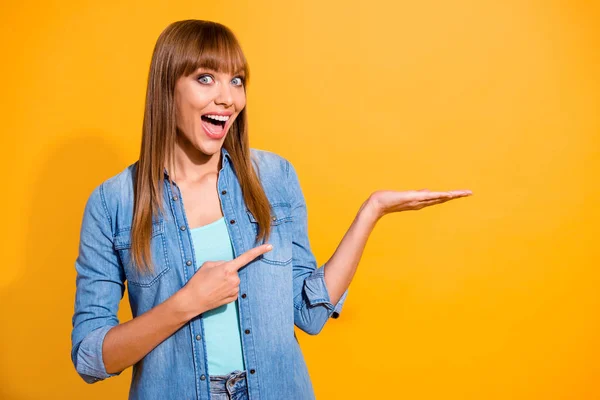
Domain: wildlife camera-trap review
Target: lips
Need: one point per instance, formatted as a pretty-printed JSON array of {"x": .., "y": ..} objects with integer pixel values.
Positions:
[{"x": 214, "y": 129}]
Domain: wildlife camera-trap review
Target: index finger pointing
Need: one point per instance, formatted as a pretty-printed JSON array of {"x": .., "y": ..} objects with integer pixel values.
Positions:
[{"x": 249, "y": 255}]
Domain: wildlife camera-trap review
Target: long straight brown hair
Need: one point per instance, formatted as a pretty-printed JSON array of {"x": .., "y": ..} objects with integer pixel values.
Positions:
[{"x": 182, "y": 48}]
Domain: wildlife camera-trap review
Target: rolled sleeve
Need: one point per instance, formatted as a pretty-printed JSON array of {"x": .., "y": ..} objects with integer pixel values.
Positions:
[
  {"x": 90, "y": 364},
  {"x": 317, "y": 293}
]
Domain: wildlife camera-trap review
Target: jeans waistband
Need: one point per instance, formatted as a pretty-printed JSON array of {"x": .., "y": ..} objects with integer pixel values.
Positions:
[{"x": 231, "y": 383}]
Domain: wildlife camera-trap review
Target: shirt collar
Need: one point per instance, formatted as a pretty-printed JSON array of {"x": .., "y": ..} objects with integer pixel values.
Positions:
[{"x": 224, "y": 155}]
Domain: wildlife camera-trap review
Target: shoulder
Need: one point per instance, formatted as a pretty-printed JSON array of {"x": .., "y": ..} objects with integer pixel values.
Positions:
[
  {"x": 120, "y": 184},
  {"x": 114, "y": 194},
  {"x": 271, "y": 166},
  {"x": 276, "y": 174},
  {"x": 269, "y": 159}
]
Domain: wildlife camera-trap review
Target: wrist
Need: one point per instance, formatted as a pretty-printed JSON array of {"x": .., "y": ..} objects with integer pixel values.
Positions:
[
  {"x": 182, "y": 305},
  {"x": 370, "y": 210}
]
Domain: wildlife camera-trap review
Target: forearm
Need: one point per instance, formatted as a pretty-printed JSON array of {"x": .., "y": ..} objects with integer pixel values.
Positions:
[
  {"x": 342, "y": 265},
  {"x": 129, "y": 342}
]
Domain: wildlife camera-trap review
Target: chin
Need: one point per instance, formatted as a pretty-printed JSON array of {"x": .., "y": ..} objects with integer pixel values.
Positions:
[{"x": 210, "y": 147}]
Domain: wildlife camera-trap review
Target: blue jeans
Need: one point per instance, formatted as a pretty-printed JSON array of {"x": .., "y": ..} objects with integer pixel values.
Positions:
[{"x": 229, "y": 387}]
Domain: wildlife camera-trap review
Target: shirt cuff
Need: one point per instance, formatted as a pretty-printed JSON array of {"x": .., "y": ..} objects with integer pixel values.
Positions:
[
  {"x": 90, "y": 364},
  {"x": 317, "y": 294}
]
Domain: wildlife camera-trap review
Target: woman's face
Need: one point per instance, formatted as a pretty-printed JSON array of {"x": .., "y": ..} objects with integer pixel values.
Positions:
[{"x": 207, "y": 102}]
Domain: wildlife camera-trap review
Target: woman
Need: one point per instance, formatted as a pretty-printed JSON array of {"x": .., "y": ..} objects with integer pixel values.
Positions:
[{"x": 211, "y": 237}]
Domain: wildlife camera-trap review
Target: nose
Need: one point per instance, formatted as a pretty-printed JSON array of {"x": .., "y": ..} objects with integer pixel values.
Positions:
[{"x": 224, "y": 96}]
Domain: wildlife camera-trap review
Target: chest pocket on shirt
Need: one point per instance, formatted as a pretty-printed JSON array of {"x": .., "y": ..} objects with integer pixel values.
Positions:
[
  {"x": 158, "y": 249},
  {"x": 281, "y": 234}
]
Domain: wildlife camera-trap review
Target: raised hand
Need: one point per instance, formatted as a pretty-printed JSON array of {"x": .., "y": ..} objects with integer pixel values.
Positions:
[
  {"x": 217, "y": 282},
  {"x": 389, "y": 201}
]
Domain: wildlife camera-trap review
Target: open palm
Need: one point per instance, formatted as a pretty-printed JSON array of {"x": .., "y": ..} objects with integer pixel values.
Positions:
[{"x": 389, "y": 201}]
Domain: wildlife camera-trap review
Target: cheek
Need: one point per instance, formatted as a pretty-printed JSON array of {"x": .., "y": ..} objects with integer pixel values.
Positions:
[
  {"x": 190, "y": 108},
  {"x": 184, "y": 116},
  {"x": 200, "y": 98},
  {"x": 240, "y": 102}
]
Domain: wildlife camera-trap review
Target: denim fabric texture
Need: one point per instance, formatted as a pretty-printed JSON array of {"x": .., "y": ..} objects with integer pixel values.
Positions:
[
  {"x": 229, "y": 387},
  {"x": 280, "y": 289}
]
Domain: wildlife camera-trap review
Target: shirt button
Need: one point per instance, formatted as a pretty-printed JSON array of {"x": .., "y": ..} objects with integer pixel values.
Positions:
[
  {"x": 198, "y": 337},
  {"x": 202, "y": 377},
  {"x": 188, "y": 262},
  {"x": 252, "y": 371},
  {"x": 247, "y": 331},
  {"x": 273, "y": 218},
  {"x": 175, "y": 198},
  {"x": 232, "y": 221},
  {"x": 224, "y": 192},
  {"x": 182, "y": 227},
  {"x": 243, "y": 295}
]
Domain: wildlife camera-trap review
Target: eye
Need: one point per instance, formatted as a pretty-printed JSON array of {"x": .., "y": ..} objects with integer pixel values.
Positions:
[
  {"x": 238, "y": 81},
  {"x": 205, "y": 79}
]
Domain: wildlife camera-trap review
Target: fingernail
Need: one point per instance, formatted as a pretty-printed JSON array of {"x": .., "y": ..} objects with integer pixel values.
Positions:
[{"x": 269, "y": 247}]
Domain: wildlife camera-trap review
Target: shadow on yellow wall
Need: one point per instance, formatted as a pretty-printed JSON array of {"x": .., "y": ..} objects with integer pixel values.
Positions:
[{"x": 41, "y": 297}]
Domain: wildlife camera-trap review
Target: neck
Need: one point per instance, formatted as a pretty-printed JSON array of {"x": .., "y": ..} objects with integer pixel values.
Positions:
[{"x": 192, "y": 165}]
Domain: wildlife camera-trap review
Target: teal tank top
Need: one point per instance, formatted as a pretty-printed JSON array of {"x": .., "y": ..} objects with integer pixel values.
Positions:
[{"x": 221, "y": 325}]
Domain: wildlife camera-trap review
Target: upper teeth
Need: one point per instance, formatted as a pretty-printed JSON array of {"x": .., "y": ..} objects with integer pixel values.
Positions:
[{"x": 219, "y": 117}]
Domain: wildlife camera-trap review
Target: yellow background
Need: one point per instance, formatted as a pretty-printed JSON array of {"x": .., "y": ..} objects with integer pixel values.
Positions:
[{"x": 494, "y": 296}]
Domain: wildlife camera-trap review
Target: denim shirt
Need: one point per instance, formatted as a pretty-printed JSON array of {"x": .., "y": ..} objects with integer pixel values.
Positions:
[{"x": 278, "y": 289}]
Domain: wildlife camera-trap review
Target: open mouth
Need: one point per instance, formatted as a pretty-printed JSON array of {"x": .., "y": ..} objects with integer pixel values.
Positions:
[{"x": 214, "y": 125}]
